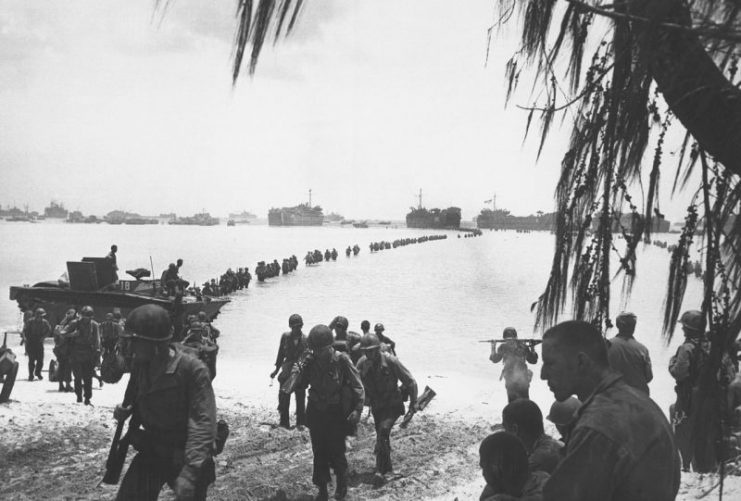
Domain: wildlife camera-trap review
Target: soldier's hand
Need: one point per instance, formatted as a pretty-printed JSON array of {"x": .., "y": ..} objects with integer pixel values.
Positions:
[
  {"x": 120, "y": 413},
  {"x": 273, "y": 374},
  {"x": 184, "y": 489},
  {"x": 354, "y": 417}
]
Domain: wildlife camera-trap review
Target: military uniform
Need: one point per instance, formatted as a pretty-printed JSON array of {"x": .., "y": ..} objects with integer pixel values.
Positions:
[
  {"x": 621, "y": 449},
  {"x": 335, "y": 391},
  {"x": 35, "y": 331},
  {"x": 515, "y": 372},
  {"x": 385, "y": 399},
  {"x": 631, "y": 359},
  {"x": 289, "y": 351},
  {"x": 177, "y": 412},
  {"x": 84, "y": 344},
  {"x": 545, "y": 454}
]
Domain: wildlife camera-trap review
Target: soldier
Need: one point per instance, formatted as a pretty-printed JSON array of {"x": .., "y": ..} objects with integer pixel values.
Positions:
[
  {"x": 515, "y": 372},
  {"x": 621, "y": 445},
  {"x": 109, "y": 334},
  {"x": 335, "y": 403},
  {"x": 381, "y": 374},
  {"x": 34, "y": 332},
  {"x": 563, "y": 414},
  {"x": 84, "y": 337},
  {"x": 524, "y": 419},
  {"x": 503, "y": 461},
  {"x": 170, "y": 396},
  {"x": 378, "y": 329},
  {"x": 629, "y": 357},
  {"x": 112, "y": 257},
  {"x": 344, "y": 340},
  {"x": 685, "y": 367},
  {"x": 292, "y": 346},
  {"x": 62, "y": 351}
]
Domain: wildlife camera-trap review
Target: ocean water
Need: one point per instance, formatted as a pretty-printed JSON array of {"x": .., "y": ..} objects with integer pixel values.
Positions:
[{"x": 436, "y": 299}]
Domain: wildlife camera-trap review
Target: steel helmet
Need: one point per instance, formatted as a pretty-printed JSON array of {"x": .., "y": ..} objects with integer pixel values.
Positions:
[
  {"x": 295, "y": 320},
  {"x": 369, "y": 342},
  {"x": 562, "y": 413},
  {"x": 202, "y": 316},
  {"x": 149, "y": 322},
  {"x": 109, "y": 316},
  {"x": 339, "y": 321},
  {"x": 379, "y": 327},
  {"x": 509, "y": 332},
  {"x": 40, "y": 312},
  {"x": 320, "y": 336},
  {"x": 693, "y": 320},
  {"x": 87, "y": 311}
]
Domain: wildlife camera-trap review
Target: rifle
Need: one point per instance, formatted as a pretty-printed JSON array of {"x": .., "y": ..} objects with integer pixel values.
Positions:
[
  {"x": 422, "y": 402},
  {"x": 528, "y": 341},
  {"x": 117, "y": 455},
  {"x": 289, "y": 385}
]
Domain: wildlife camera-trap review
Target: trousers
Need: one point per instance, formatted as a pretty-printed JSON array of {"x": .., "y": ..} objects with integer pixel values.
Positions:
[
  {"x": 327, "y": 431},
  {"x": 35, "y": 354},
  {"x": 83, "y": 370},
  {"x": 148, "y": 473},
  {"x": 384, "y": 419},
  {"x": 284, "y": 405}
]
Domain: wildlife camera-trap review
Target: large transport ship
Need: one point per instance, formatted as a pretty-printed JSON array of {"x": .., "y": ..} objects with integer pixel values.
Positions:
[
  {"x": 300, "y": 215},
  {"x": 55, "y": 211},
  {"x": 420, "y": 217},
  {"x": 91, "y": 281}
]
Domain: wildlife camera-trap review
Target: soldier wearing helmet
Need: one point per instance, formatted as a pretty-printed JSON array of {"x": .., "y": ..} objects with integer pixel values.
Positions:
[
  {"x": 381, "y": 374},
  {"x": 174, "y": 412},
  {"x": 629, "y": 357},
  {"x": 292, "y": 346},
  {"x": 344, "y": 340},
  {"x": 563, "y": 414},
  {"x": 336, "y": 398},
  {"x": 516, "y": 355},
  {"x": 83, "y": 335},
  {"x": 62, "y": 350},
  {"x": 685, "y": 367},
  {"x": 379, "y": 329},
  {"x": 35, "y": 330}
]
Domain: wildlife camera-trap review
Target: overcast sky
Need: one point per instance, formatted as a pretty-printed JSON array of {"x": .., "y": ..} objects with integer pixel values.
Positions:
[{"x": 106, "y": 107}]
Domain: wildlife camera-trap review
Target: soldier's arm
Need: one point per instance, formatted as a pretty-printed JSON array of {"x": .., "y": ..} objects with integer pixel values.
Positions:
[
  {"x": 201, "y": 422},
  {"x": 679, "y": 365},
  {"x": 406, "y": 378},
  {"x": 281, "y": 353},
  {"x": 497, "y": 353},
  {"x": 96, "y": 337},
  {"x": 648, "y": 371},
  {"x": 352, "y": 376}
]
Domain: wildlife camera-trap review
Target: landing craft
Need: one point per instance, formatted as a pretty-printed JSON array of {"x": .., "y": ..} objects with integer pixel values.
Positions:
[{"x": 84, "y": 288}]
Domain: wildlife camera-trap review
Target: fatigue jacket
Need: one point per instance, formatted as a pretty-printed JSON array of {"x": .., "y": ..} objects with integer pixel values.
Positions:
[
  {"x": 109, "y": 334},
  {"x": 333, "y": 384},
  {"x": 290, "y": 350},
  {"x": 545, "y": 454},
  {"x": 533, "y": 490},
  {"x": 381, "y": 381},
  {"x": 35, "y": 330},
  {"x": 84, "y": 340},
  {"x": 621, "y": 449},
  {"x": 631, "y": 359},
  {"x": 177, "y": 409}
]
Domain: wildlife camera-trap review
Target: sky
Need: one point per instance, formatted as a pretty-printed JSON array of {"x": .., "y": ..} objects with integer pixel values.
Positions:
[{"x": 110, "y": 105}]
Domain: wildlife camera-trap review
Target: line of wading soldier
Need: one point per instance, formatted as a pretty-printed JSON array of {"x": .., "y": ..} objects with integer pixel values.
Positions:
[{"x": 617, "y": 443}]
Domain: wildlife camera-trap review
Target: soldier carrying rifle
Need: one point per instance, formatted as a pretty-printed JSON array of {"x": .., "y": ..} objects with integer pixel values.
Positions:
[{"x": 515, "y": 353}]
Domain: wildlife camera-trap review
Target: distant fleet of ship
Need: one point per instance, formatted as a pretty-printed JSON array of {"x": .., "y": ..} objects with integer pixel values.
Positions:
[{"x": 306, "y": 214}]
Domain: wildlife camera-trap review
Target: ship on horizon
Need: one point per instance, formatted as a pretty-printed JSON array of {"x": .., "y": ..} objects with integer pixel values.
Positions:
[
  {"x": 56, "y": 210},
  {"x": 243, "y": 217},
  {"x": 200, "y": 219},
  {"x": 421, "y": 217},
  {"x": 298, "y": 215}
]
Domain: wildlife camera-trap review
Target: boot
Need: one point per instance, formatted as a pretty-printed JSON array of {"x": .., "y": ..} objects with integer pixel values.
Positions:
[
  {"x": 323, "y": 494},
  {"x": 69, "y": 388},
  {"x": 340, "y": 491},
  {"x": 87, "y": 401},
  {"x": 79, "y": 399},
  {"x": 61, "y": 387}
]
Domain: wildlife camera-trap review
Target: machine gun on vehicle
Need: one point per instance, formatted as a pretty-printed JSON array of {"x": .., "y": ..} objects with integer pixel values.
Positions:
[{"x": 422, "y": 401}]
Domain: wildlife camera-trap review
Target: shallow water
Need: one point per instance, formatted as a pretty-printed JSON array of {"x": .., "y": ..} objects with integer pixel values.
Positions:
[{"x": 436, "y": 299}]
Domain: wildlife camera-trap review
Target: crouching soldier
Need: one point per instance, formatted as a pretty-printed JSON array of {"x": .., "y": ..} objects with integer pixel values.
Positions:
[
  {"x": 381, "y": 373},
  {"x": 172, "y": 402}
]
